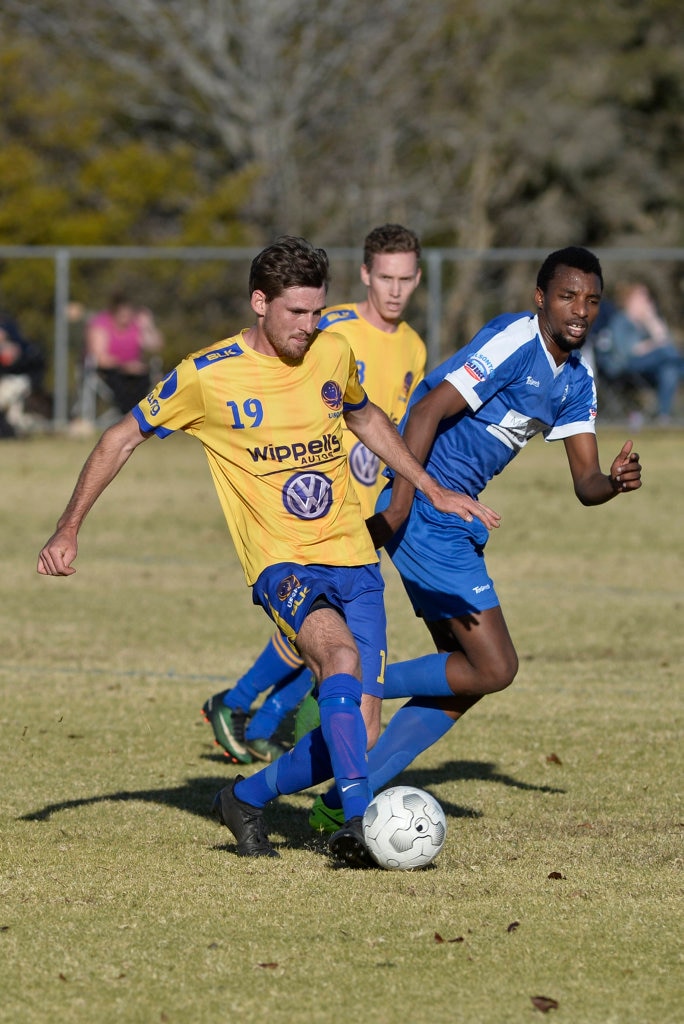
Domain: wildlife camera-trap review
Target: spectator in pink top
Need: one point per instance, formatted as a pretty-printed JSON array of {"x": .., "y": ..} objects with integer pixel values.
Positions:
[{"x": 119, "y": 344}]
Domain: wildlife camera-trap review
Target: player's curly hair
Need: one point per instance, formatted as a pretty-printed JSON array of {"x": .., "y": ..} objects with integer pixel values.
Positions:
[
  {"x": 572, "y": 256},
  {"x": 289, "y": 262},
  {"x": 389, "y": 238}
]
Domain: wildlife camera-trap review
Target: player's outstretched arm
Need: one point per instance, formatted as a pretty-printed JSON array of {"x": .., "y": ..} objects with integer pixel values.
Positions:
[
  {"x": 592, "y": 486},
  {"x": 106, "y": 459},
  {"x": 378, "y": 433}
]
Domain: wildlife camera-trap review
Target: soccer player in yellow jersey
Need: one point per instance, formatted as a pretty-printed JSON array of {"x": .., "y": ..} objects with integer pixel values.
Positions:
[
  {"x": 390, "y": 359},
  {"x": 267, "y": 406}
]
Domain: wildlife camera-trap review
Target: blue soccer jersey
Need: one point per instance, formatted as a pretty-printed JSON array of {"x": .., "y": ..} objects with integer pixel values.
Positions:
[{"x": 514, "y": 390}]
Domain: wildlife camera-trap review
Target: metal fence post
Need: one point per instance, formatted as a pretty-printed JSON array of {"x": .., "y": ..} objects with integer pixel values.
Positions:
[
  {"x": 434, "y": 310},
  {"x": 60, "y": 414}
]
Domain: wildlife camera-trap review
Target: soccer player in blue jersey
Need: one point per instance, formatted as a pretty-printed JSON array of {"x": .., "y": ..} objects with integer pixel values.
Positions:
[
  {"x": 390, "y": 357},
  {"x": 267, "y": 406},
  {"x": 521, "y": 375}
]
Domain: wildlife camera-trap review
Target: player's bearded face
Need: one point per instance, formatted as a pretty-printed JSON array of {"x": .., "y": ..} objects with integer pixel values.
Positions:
[
  {"x": 290, "y": 320},
  {"x": 568, "y": 308}
]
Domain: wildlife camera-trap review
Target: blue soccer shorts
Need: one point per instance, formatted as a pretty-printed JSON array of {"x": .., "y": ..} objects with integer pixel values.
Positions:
[
  {"x": 286, "y": 591},
  {"x": 440, "y": 559}
]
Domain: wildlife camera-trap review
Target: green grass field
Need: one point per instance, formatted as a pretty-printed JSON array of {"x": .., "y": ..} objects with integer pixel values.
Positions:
[{"x": 122, "y": 899}]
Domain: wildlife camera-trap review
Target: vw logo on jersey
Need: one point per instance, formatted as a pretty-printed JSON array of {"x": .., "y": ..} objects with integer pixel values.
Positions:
[
  {"x": 308, "y": 495},
  {"x": 364, "y": 464},
  {"x": 331, "y": 393},
  {"x": 286, "y": 586}
]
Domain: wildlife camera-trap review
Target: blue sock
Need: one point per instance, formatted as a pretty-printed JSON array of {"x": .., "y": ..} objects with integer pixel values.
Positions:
[
  {"x": 284, "y": 698},
  {"x": 344, "y": 731},
  {"x": 414, "y": 728},
  {"x": 421, "y": 677},
  {"x": 307, "y": 764},
  {"x": 276, "y": 662}
]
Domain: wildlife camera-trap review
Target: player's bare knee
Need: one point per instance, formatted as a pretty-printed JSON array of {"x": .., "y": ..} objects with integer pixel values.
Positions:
[
  {"x": 341, "y": 659},
  {"x": 501, "y": 674}
]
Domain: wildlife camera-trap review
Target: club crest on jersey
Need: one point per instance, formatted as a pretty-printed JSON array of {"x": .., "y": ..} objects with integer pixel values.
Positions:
[
  {"x": 286, "y": 586},
  {"x": 479, "y": 367},
  {"x": 308, "y": 495},
  {"x": 291, "y": 593},
  {"x": 331, "y": 393},
  {"x": 408, "y": 381},
  {"x": 364, "y": 464}
]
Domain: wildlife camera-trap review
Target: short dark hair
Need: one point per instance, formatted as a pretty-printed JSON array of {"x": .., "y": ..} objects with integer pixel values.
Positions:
[
  {"x": 572, "y": 256},
  {"x": 389, "y": 238},
  {"x": 289, "y": 262}
]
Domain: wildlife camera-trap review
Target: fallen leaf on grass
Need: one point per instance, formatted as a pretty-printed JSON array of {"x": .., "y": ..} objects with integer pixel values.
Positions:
[
  {"x": 555, "y": 874},
  {"x": 513, "y": 926},
  {"x": 438, "y": 938},
  {"x": 544, "y": 1003},
  {"x": 268, "y": 965},
  {"x": 553, "y": 759}
]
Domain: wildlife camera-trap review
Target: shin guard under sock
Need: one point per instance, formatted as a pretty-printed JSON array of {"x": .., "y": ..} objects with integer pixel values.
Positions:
[
  {"x": 420, "y": 677},
  {"x": 414, "y": 728},
  {"x": 307, "y": 764},
  {"x": 344, "y": 731}
]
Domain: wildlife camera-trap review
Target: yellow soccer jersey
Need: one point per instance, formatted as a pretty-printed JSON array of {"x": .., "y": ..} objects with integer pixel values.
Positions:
[
  {"x": 272, "y": 433},
  {"x": 390, "y": 366}
]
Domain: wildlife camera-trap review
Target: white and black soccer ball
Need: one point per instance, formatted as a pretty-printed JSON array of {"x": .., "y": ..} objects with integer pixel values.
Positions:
[{"x": 404, "y": 828}]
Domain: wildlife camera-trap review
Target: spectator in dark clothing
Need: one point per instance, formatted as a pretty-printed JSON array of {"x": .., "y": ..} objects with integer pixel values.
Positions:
[{"x": 22, "y": 366}]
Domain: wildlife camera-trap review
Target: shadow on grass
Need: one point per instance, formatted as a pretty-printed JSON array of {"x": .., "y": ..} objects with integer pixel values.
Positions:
[{"x": 196, "y": 794}]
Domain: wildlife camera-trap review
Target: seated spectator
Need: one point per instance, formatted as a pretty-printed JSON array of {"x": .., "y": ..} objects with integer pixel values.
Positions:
[
  {"x": 119, "y": 343},
  {"x": 636, "y": 343},
  {"x": 22, "y": 366}
]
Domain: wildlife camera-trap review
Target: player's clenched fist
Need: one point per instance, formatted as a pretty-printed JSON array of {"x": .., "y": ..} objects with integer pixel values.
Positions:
[{"x": 56, "y": 557}]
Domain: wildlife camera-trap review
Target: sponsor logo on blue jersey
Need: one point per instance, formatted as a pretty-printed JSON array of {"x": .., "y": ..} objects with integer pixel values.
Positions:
[
  {"x": 308, "y": 495},
  {"x": 479, "y": 367},
  {"x": 331, "y": 393},
  {"x": 209, "y": 358},
  {"x": 364, "y": 464},
  {"x": 308, "y": 453}
]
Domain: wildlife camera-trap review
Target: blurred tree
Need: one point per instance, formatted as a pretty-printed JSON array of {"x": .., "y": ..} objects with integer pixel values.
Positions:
[{"x": 493, "y": 123}]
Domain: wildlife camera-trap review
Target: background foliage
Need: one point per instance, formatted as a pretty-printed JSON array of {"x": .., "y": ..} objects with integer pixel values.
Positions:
[{"x": 499, "y": 123}]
